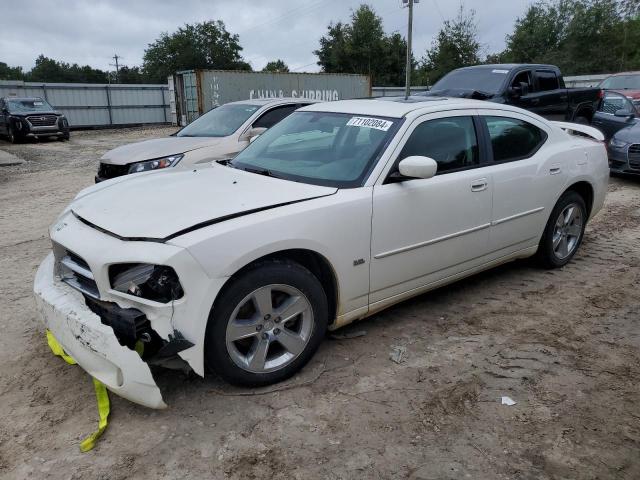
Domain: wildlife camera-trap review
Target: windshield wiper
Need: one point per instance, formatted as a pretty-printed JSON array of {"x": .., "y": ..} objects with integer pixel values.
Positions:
[{"x": 260, "y": 171}]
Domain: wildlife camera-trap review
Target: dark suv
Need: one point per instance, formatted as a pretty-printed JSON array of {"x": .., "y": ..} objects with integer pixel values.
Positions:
[{"x": 31, "y": 118}]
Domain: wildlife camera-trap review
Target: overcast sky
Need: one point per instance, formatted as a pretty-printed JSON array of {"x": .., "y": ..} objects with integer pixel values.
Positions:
[{"x": 92, "y": 31}]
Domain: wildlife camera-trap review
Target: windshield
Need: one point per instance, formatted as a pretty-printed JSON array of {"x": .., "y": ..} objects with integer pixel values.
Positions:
[
  {"x": 28, "y": 105},
  {"x": 330, "y": 149},
  {"x": 487, "y": 80},
  {"x": 622, "y": 82},
  {"x": 219, "y": 122}
]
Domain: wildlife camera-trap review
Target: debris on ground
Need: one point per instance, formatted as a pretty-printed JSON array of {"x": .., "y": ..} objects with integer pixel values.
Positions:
[
  {"x": 507, "y": 401},
  {"x": 398, "y": 353}
]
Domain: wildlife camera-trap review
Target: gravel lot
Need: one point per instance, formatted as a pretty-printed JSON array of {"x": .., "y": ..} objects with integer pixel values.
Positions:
[{"x": 564, "y": 344}]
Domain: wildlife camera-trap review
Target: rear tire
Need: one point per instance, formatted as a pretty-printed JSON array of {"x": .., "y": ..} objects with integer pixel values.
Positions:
[
  {"x": 266, "y": 324},
  {"x": 564, "y": 231}
]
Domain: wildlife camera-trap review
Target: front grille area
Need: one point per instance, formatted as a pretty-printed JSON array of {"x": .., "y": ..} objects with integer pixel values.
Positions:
[
  {"x": 106, "y": 171},
  {"x": 42, "y": 120},
  {"x": 633, "y": 154},
  {"x": 76, "y": 273}
]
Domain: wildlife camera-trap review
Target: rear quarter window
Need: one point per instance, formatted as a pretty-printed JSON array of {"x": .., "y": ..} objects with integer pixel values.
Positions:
[{"x": 513, "y": 139}]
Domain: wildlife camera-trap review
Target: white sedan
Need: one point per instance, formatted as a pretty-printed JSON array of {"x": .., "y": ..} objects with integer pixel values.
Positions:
[
  {"x": 340, "y": 210},
  {"x": 220, "y": 133}
]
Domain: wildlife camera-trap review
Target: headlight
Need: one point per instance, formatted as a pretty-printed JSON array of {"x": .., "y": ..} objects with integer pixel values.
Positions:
[
  {"x": 153, "y": 282},
  {"x": 155, "y": 164},
  {"x": 615, "y": 143}
]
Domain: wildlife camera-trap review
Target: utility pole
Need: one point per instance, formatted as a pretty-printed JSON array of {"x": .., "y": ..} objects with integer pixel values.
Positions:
[
  {"x": 116, "y": 57},
  {"x": 407, "y": 88}
]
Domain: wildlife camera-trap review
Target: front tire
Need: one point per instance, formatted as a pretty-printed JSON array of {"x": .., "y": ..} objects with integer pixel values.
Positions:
[
  {"x": 564, "y": 231},
  {"x": 267, "y": 324},
  {"x": 11, "y": 135}
]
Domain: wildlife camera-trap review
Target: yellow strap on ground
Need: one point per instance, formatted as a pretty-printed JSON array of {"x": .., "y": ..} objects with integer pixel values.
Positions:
[{"x": 102, "y": 396}]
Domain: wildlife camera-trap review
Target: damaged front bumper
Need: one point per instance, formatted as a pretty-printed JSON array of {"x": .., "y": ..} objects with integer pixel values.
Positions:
[{"x": 91, "y": 343}]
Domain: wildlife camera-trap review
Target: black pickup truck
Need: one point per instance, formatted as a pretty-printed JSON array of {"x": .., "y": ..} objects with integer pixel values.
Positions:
[{"x": 534, "y": 87}]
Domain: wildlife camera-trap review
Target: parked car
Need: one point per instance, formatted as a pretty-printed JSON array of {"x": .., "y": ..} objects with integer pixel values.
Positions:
[
  {"x": 615, "y": 112},
  {"x": 537, "y": 88},
  {"x": 31, "y": 117},
  {"x": 221, "y": 132},
  {"x": 627, "y": 83},
  {"x": 617, "y": 117},
  {"x": 341, "y": 210}
]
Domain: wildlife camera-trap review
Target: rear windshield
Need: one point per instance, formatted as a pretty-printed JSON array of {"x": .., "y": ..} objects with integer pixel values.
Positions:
[
  {"x": 219, "y": 122},
  {"x": 28, "y": 105},
  {"x": 484, "y": 80},
  {"x": 622, "y": 82}
]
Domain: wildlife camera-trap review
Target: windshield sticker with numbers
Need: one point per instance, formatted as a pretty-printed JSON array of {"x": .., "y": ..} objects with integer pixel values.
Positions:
[{"x": 369, "y": 122}]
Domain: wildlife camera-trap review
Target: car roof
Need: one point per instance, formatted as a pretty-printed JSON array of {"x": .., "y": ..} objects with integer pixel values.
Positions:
[
  {"x": 510, "y": 66},
  {"x": 274, "y": 101},
  {"x": 398, "y": 107}
]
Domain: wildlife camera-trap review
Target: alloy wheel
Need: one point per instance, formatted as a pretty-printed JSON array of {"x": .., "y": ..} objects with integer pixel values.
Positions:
[
  {"x": 269, "y": 328},
  {"x": 567, "y": 231}
]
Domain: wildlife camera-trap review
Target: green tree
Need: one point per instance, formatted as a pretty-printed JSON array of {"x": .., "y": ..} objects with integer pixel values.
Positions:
[
  {"x": 580, "y": 36},
  {"x": 455, "y": 46},
  {"x": 363, "y": 47},
  {"x": 10, "y": 73},
  {"x": 131, "y": 75},
  {"x": 50, "y": 70},
  {"x": 276, "y": 66},
  {"x": 206, "y": 45}
]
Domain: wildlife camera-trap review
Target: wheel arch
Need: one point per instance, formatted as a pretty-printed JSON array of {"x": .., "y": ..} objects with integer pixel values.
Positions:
[
  {"x": 313, "y": 261},
  {"x": 585, "y": 190}
]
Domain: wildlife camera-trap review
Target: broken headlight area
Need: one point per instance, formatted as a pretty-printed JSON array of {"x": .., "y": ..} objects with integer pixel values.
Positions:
[
  {"x": 151, "y": 282},
  {"x": 131, "y": 327},
  {"x": 155, "y": 164}
]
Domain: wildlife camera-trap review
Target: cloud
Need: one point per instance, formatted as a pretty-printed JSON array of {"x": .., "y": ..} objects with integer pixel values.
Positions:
[{"x": 91, "y": 32}]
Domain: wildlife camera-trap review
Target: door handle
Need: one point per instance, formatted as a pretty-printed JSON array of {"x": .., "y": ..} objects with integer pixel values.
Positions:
[
  {"x": 479, "y": 185},
  {"x": 554, "y": 170}
]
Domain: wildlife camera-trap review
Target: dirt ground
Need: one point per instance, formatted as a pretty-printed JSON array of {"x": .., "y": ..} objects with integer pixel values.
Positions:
[{"x": 564, "y": 344}]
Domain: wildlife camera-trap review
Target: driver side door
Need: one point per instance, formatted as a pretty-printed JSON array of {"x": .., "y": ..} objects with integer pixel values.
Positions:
[{"x": 424, "y": 230}]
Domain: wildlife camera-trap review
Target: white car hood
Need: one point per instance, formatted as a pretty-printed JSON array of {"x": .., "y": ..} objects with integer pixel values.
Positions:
[
  {"x": 156, "y": 148},
  {"x": 161, "y": 205}
]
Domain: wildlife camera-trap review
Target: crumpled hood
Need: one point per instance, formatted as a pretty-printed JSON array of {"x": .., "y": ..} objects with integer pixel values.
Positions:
[
  {"x": 158, "y": 205},
  {"x": 156, "y": 148}
]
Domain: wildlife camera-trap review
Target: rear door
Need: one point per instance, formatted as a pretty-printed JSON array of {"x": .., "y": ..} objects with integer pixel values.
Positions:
[
  {"x": 605, "y": 118},
  {"x": 550, "y": 98},
  {"x": 424, "y": 230},
  {"x": 526, "y": 180}
]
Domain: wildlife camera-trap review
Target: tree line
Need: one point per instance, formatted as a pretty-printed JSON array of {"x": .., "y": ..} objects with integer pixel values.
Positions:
[{"x": 580, "y": 36}]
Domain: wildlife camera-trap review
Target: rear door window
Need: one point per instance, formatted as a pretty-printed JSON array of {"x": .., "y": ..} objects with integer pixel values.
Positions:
[{"x": 547, "y": 80}]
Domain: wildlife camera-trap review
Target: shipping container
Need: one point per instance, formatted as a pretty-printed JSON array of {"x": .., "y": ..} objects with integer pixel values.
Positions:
[
  {"x": 198, "y": 91},
  {"x": 89, "y": 105}
]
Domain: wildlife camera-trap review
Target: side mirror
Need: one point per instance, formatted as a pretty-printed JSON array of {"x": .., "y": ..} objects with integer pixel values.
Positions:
[
  {"x": 515, "y": 92},
  {"x": 251, "y": 134},
  {"x": 418, "y": 167},
  {"x": 623, "y": 112},
  {"x": 524, "y": 88}
]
